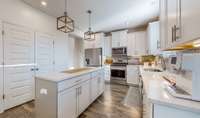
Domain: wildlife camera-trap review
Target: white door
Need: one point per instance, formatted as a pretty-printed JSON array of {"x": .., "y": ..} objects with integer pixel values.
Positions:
[
  {"x": 84, "y": 96},
  {"x": 1, "y": 69},
  {"x": 67, "y": 103},
  {"x": 19, "y": 60},
  {"x": 44, "y": 53}
]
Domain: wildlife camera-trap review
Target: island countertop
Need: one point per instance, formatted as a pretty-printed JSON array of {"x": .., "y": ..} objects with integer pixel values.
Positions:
[
  {"x": 156, "y": 93},
  {"x": 65, "y": 75}
]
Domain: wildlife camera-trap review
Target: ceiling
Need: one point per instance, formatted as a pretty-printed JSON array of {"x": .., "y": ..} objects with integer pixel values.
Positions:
[{"x": 107, "y": 14}]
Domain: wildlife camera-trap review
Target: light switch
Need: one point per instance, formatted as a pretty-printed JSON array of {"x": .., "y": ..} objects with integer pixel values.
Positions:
[{"x": 43, "y": 91}]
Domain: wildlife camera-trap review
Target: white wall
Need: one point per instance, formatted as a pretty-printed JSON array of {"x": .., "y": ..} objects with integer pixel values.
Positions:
[{"x": 17, "y": 12}]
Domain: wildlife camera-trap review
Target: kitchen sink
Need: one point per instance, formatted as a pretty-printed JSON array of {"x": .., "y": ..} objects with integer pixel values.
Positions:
[
  {"x": 77, "y": 70},
  {"x": 152, "y": 70}
]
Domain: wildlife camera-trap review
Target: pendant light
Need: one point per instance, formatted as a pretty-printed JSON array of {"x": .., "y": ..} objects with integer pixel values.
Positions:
[
  {"x": 65, "y": 23},
  {"x": 89, "y": 35}
]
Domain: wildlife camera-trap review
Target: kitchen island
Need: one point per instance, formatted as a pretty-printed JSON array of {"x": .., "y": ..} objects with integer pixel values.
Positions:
[{"x": 67, "y": 94}]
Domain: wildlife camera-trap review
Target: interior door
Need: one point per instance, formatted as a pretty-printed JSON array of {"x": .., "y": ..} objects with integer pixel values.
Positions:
[
  {"x": 19, "y": 61},
  {"x": 84, "y": 96},
  {"x": 67, "y": 103},
  {"x": 44, "y": 53},
  {"x": 1, "y": 69}
]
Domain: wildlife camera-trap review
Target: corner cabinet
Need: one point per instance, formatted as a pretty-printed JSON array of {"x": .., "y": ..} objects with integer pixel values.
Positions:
[{"x": 68, "y": 98}]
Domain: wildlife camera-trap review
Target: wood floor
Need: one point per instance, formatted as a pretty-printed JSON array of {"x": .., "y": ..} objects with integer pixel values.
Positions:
[{"x": 118, "y": 101}]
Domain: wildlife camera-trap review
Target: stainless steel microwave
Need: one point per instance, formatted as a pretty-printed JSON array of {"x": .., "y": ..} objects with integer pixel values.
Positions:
[{"x": 119, "y": 51}]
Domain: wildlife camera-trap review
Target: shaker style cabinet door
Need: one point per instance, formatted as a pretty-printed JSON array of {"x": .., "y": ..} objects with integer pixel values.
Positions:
[
  {"x": 44, "y": 53},
  {"x": 1, "y": 68},
  {"x": 190, "y": 17},
  {"x": 19, "y": 62},
  {"x": 84, "y": 96},
  {"x": 67, "y": 103}
]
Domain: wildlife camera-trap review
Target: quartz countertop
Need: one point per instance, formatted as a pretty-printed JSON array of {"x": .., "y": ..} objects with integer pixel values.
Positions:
[
  {"x": 61, "y": 76},
  {"x": 154, "y": 86}
]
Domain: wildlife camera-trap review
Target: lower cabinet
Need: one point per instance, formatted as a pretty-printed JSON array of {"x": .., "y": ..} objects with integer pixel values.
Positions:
[
  {"x": 133, "y": 74},
  {"x": 68, "y": 98},
  {"x": 65, "y": 99}
]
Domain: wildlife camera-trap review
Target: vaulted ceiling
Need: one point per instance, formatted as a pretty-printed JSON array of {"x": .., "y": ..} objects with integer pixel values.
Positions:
[{"x": 107, "y": 14}]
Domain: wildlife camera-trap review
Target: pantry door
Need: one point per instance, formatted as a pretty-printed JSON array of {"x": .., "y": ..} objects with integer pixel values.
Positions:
[
  {"x": 19, "y": 64},
  {"x": 44, "y": 53},
  {"x": 1, "y": 68}
]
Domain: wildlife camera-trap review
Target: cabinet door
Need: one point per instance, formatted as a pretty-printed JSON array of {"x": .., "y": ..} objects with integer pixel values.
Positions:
[
  {"x": 123, "y": 38},
  {"x": 19, "y": 60},
  {"x": 1, "y": 68},
  {"x": 67, "y": 103},
  {"x": 163, "y": 24},
  {"x": 94, "y": 87},
  {"x": 44, "y": 53},
  {"x": 132, "y": 75},
  {"x": 115, "y": 39},
  {"x": 154, "y": 38},
  {"x": 171, "y": 21},
  {"x": 190, "y": 17},
  {"x": 84, "y": 96},
  {"x": 101, "y": 82},
  {"x": 131, "y": 44},
  {"x": 141, "y": 43}
]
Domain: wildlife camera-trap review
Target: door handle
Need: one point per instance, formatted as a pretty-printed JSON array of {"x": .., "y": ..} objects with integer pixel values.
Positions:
[{"x": 32, "y": 69}]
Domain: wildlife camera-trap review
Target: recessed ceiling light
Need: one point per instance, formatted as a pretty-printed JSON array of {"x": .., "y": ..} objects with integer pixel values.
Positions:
[{"x": 43, "y": 3}]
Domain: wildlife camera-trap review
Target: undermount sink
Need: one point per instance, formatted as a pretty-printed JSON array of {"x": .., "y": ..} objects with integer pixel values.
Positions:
[
  {"x": 77, "y": 70},
  {"x": 152, "y": 70}
]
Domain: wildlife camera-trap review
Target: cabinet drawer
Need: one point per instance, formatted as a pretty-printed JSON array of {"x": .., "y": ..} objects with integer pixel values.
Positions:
[{"x": 72, "y": 82}]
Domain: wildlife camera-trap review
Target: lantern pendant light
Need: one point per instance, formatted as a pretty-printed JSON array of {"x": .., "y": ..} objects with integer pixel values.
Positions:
[
  {"x": 65, "y": 23},
  {"x": 89, "y": 35}
]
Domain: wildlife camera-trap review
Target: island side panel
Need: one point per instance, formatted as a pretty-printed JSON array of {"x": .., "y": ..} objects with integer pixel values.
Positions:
[{"x": 46, "y": 99}]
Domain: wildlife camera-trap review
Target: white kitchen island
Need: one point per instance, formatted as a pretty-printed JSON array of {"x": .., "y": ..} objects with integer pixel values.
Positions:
[{"x": 67, "y": 94}]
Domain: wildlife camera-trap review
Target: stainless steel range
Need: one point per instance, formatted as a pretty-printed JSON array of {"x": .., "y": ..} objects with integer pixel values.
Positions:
[{"x": 118, "y": 68}]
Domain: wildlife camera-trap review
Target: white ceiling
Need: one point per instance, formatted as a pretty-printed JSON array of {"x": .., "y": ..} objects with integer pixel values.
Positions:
[{"x": 107, "y": 14}]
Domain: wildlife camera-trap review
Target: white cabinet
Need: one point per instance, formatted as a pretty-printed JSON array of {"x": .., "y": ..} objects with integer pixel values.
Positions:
[
  {"x": 1, "y": 69},
  {"x": 153, "y": 31},
  {"x": 180, "y": 19},
  {"x": 132, "y": 74},
  {"x": 83, "y": 96},
  {"x": 190, "y": 17},
  {"x": 65, "y": 99},
  {"x": 137, "y": 43},
  {"x": 19, "y": 61},
  {"x": 94, "y": 86},
  {"x": 119, "y": 39},
  {"x": 163, "y": 24},
  {"x": 107, "y": 73},
  {"x": 107, "y": 46}
]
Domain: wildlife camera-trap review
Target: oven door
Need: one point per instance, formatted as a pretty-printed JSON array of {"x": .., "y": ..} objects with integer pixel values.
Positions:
[{"x": 118, "y": 73}]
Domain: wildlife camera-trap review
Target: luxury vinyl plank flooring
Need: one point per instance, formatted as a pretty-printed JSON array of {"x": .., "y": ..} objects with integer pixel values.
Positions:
[{"x": 118, "y": 101}]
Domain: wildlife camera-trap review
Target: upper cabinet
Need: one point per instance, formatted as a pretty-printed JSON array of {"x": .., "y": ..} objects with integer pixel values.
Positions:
[
  {"x": 119, "y": 39},
  {"x": 154, "y": 37},
  {"x": 137, "y": 43},
  {"x": 179, "y": 21}
]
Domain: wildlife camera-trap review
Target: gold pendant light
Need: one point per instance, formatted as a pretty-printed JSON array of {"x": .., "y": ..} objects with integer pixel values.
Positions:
[
  {"x": 65, "y": 23},
  {"x": 89, "y": 35}
]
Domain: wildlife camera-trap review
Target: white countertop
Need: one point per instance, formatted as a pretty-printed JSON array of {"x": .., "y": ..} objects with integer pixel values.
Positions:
[
  {"x": 61, "y": 76},
  {"x": 156, "y": 93}
]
